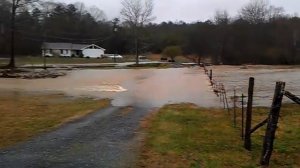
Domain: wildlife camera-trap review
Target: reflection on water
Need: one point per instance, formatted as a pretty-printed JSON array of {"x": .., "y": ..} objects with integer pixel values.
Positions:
[
  {"x": 146, "y": 88},
  {"x": 103, "y": 88},
  {"x": 265, "y": 79}
]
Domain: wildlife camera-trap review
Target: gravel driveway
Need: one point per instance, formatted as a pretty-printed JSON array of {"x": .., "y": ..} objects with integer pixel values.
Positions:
[{"x": 102, "y": 139}]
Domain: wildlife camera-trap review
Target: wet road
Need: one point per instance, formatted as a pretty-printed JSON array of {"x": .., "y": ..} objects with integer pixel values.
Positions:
[{"x": 104, "y": 139}]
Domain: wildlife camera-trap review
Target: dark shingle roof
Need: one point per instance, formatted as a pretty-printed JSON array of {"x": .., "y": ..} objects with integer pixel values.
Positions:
[{"x": 62, "y": 46}]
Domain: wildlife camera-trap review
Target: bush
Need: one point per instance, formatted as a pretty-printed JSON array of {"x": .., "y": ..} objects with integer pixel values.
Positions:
[{"x": 172, "y": 52}]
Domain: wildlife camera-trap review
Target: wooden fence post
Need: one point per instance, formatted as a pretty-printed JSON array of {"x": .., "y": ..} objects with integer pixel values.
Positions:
[
  {"x": 272, "y": 124},
  {"x": 247, "y": 143},
  {"x": 242, "y": 132},
  {"x": 234, "y": 108}
]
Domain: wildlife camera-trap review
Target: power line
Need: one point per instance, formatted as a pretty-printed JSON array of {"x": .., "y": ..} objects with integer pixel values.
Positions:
[{"x": 32, "y": 35}]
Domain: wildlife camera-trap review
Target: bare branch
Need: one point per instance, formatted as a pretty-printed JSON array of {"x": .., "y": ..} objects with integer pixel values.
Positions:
[
  {"x": 97, "y": 14},
  {"x": 255, "y": 12},
  {"x": 137, "y": 13}
]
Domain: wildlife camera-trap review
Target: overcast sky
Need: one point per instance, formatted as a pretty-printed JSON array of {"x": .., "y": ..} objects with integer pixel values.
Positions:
[{"x": 187, "y": 10}]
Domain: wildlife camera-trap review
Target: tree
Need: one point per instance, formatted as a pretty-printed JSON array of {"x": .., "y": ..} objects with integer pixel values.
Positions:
[
  {"x": 16, "y": 5},
  {"x": 137, "y": 13},
  {"x": 4, "y": 24},
  {"x": 275, "y": 13},
  {"x": 255, "y": 11},
  {"x": 222, "y": 17},
  {"x": 97, "y": 13},
  {"x": 172, "y": 52},
  {"x": 222, "y": 21}
]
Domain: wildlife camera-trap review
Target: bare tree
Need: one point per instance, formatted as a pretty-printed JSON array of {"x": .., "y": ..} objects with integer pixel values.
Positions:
[
  {"x": 255, "y": 11},
  {"x": 15, "y": 7},
  {"x": 97, "y": 13},
  {"x": 222, "y": 17},
  {"x": 275, "y": 12},
  {"x": 80, "y": 8},
  {"x": 137, "y": 13}
]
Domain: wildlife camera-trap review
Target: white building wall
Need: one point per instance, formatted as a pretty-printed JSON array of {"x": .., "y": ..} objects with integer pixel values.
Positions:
[
  {"x": 47, "y": 53},
  {"x": 63, "y": 53},
  {"x": 93, "y": 53}
]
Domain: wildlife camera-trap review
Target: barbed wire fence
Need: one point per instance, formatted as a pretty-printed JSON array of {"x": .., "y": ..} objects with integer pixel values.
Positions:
[{"x": 244, "y": 103}]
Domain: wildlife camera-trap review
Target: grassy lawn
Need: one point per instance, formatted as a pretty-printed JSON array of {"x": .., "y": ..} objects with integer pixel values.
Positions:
[
  {"x": 185, "y": 135},
  {"x": 57, "y": 60},
  {"x": 24, "y": 116}
]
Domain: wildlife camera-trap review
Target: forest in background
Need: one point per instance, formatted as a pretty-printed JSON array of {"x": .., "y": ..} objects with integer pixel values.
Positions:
[{"x": 259, "y": 34}]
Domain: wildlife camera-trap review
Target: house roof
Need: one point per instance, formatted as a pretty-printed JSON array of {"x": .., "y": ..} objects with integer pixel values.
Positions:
[
  {"x": 94, "y": 46},
  {"x": 67, "y": 46}
]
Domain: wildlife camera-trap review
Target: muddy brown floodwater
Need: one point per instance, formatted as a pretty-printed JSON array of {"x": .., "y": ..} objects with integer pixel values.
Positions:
[
  {"x": 128, "y": 87},
  {"x": 265, "y": 79},
  {"x": 156, "y": 87},
  {"x": 108, "y": 138}
]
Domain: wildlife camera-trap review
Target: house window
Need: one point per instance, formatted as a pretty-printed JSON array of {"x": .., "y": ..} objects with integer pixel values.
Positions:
[
  {"x": 61, "y": 51},
  {"x": 50, "y": 51}
]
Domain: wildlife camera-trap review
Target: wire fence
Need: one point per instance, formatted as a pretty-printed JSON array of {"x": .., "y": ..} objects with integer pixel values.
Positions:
[{"x": 242, "y": 109}]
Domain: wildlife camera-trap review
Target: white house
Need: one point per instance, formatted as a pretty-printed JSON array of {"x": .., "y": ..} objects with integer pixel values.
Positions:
[{"x": 72, "y": 50}]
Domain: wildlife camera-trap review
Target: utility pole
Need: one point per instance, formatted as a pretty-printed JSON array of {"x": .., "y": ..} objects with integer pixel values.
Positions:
[
  {"x": 136, "y": 45},
  {"x": 294, "y": 49},
  {"x": 11, "y": 64},
  {"x": 115, "y": 31},
  {"x": 44, "y": 55},
  {"x": 1, "y": 28}
]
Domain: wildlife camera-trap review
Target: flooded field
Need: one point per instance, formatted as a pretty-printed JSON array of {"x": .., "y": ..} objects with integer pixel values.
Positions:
[
  {"x": 265, "y": 79},
  {"x": 156, "y": 87},
  {"x": 128, "y": 87}
]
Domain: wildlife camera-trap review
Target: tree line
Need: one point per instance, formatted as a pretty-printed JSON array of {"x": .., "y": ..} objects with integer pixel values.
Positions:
[{"x": 259, "y": 34}]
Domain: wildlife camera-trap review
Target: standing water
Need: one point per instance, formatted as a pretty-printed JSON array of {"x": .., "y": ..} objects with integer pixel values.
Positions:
[
  {"x": 236, "y": 77},
  {"x": 128, "y": 87}
]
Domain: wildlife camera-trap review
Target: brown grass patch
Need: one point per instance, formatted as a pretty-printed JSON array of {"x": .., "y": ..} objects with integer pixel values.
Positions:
[{"x": 26, "y": 115}]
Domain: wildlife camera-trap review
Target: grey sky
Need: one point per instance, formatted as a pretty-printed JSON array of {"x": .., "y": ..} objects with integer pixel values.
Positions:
[{"x": 187, "y": 10}]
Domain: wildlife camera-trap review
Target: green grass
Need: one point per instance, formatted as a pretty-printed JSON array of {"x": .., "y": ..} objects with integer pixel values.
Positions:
[
  {"x": 56, "y": 60},
  {"x": 188, "y": 136},
  {"x": 25, "y": 115},
  {"x": 29, "y": 60}
]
